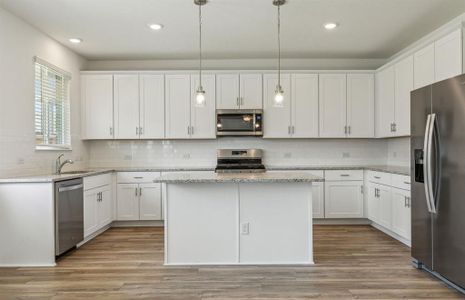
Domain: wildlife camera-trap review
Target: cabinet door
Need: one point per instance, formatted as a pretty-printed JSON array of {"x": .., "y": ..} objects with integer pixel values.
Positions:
[
  {"x": 332, "y": 102},
  {"x": 401, "y": 218},
  {"x": 126, "y": 93},
  {"x": 127, "y": 202},
  {"x": 276, "y": 120},
  {"x": 373, "y": 203},
  {"x": 152, "y": 106},
  {"x": 150, "y": 201},
  {"x": 227, "y": 91},
  {"x": 318, "y": 200},
  {"x": 385, "y": 207},
  {"x": 448, "y": 56},
  {"x": 177, "y": 105},
  {"x": 423, "y": 67},
  {"x": 97, "y": 99},
  {"x": 90, "y": 212},
  {"x": 304, "y": 108},
  {"x": 384, "y": 98},
  {"x": 203, "y": 123},
  {"x": 344, "y": 199},
  {"x": 105, "y": 207},
  {"x": 403, "y": 87},
  {"x": 251, "y": 91},
  {"x": 360, "y": 105}
]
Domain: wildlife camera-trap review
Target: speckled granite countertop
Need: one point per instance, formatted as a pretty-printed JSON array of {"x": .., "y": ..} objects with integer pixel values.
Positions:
[
  {"x": 209, "y": 177},
  {"x": 53, "y": 178}
]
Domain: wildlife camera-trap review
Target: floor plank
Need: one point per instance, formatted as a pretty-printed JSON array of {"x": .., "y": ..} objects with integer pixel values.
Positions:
[{"x": 352, "y": 262}]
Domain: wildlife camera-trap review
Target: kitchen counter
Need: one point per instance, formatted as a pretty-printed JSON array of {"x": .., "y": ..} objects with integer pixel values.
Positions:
[
  {"x": 209, "y": 177},
  {"x": 53, "y": 178}
]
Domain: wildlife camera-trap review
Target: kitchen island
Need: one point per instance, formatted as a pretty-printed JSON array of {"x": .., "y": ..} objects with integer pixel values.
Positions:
[{"x": 238, "y": 218}]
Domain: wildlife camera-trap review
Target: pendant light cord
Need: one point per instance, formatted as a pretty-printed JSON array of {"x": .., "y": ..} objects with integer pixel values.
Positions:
[
  {"x": 279, "y": 46},
  {"x": 200, "y": 45}
]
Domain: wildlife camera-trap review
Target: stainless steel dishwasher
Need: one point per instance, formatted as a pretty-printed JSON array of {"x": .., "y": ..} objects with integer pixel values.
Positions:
[{"x": 69, "y": 214}]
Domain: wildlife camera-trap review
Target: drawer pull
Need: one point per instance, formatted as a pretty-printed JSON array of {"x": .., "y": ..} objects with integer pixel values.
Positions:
[
  {"x": 345, "y": 175},
  {"x": 138, "y": 177},
  {"x": 377, "y": 177},
  {"x": 405, "y": 182}
]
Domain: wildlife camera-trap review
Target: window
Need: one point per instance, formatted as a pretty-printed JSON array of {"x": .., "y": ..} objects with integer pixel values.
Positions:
[{"x": 52, "y": 107}]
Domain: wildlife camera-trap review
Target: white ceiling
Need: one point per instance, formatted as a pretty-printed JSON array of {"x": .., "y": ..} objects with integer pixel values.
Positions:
[{"x": 116, "y": 29}]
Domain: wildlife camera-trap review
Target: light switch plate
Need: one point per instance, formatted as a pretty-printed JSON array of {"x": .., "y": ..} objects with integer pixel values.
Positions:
[{"x": 245, "y": 228}]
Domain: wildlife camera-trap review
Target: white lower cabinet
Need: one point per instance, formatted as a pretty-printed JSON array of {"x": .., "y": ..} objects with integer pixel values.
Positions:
[
  {"x": 138, "y": 198},
  {"x": 389, "y": 203},
  {"x": 401, "y": 217},
  {"x": 344, "y": 199},
  {"x": 98, "y": 203}
]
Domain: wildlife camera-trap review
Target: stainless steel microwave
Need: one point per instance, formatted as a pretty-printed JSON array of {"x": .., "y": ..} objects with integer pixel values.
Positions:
[{"x": 239, "y": 122}]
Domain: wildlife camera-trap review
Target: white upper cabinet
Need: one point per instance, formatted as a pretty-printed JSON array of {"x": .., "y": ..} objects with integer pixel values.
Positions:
[
  {"x": 448, "y": 56},
  {"x": 385, "y": 93},
  {"x": 126, "y": 97},
  {"x": 177, "y": 104},
  {"x": 403, "y": 87},
  {"x": 234, "y": 91},
  {"x": 304, "y": 110},
  {"x": 424, "y": 67},
  {"x": 152, "y": 106},
  {"x": 251, "y": 86},
  {"x": 360, "y": 105},
  {"x": 203, "y": 118},
  {"x": 332, "y": 105},
  {"x": 227, "y": 91},
  {"x": 97, "y": 106},
  {"x": 277, "y": 120}
]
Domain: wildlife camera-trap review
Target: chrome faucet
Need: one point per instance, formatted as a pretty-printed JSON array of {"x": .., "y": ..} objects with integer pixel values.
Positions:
[{"x": 59, "y": 165}]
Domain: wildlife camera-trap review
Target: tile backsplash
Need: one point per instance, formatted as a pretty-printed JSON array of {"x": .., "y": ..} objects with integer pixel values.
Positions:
[{"x": 202, "y": 153}]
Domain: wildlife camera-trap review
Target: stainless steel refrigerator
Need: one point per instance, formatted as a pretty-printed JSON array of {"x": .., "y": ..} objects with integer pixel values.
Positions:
[{"x": 438, "y": 179}]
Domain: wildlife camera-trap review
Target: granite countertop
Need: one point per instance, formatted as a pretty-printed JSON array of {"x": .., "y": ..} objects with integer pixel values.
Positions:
[
  {"x": 209, "y": 177},
  {"x": 91, "y": 172}
]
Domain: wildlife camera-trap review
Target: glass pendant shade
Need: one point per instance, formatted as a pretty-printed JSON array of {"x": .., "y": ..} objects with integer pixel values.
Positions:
[
  {"x": 279, "y": 97},
  {"x": 200, "y": 97}
]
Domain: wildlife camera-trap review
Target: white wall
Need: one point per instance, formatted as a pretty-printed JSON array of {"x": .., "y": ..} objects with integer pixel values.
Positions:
[
  {"x": 19, "y": 43},
  {"x": 203, "y": 153}
]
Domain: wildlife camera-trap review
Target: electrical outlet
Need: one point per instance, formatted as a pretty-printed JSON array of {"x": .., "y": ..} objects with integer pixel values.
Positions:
[
  {"x": 345, "y": 154},
  {"x": 186, "y": 155},
  {"x": 245, "y": 228}
]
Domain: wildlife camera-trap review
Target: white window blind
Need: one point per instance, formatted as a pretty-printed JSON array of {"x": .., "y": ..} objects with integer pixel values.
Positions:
[{"x": 52, "y": 107}]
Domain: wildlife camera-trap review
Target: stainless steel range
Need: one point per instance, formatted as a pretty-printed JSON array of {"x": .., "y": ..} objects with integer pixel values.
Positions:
[{"x": 239, "y": 160}]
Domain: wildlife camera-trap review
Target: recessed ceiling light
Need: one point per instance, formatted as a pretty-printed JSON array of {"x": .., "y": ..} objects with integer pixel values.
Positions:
[
  {"x": 331, "y": 25},
  {"x": 75, "y": 40},
  {"x": 155, "y": 26}
]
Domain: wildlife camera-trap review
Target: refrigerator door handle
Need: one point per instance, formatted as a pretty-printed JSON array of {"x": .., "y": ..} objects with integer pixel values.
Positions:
[
  {"x": 427, "y": 161},
  {"x": 437, "y": 163}
]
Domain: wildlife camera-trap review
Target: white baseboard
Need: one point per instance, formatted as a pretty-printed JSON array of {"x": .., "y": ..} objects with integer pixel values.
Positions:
[
  {"x": 138, "y": 224},
  {"x": 392, "y": 234},
  {"x": 93, "y": 235},
  {"x": 341, "y": 222}
]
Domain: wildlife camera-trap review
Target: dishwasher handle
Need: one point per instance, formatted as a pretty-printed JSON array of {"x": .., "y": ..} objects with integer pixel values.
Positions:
[{"x": 70, "y": 188}]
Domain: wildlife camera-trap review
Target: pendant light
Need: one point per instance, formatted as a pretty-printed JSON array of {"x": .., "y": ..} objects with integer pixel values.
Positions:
[
  {"x": 200, "y": 92},
  {"x": 279, "y": 93}
]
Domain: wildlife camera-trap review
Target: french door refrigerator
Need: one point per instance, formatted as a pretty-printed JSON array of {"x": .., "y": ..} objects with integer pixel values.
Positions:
[{"x": 438, "y": 179}]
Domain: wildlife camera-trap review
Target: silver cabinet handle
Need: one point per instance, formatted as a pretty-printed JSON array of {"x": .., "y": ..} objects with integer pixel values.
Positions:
[
  {"x": 140, "y": 191},
  {"x": 137, "y": 130},
  {"x": 394, "y": 127},
  {"x": 293, "y": 129},
  {"x": 138, "y": 177},
  {"x": 192, "y": 130},
  {"x": 377, "y": 177},
  {"x": 242, "y": 100},
  {"x": 406, "y": 182},
  {"x": 345, "y": 175},
  {"x": 345, "y": 129},
  {"x": 136, "y": 191},
  {"x": 238, "y": 102},
  {"x": 111, "y": 131},
  {"x": 140, "y": 131},
  {"x": 288, "y": 129},
  {"x": 188, "y": 130},
  {"x": 348, "y": 130},
  {"x": 361, "y": 189},
  {"x": 405, "y": 201}
]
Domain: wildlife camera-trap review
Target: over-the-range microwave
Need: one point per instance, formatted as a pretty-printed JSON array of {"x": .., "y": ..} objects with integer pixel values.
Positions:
[{"x": 239, "y": 122}]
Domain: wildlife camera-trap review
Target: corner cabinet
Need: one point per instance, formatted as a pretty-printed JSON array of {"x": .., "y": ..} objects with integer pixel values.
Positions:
[
  {"x": 184, "y": 120},
  {"x": 97, "y": 106}
]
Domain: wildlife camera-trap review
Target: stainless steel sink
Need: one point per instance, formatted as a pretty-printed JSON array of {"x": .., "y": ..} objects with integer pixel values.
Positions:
[{"x": 75, "y": 172}]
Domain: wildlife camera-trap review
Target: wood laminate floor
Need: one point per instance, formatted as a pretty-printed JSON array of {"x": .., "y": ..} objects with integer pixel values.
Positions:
[{"x": 352, "y": 262}]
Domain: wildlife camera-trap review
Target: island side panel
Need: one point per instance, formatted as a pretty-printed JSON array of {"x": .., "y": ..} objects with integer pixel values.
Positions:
[
  {"x": 201, "y": 223},
  {"x": 27, "y": 225},
  {"x": 278, "y": 218}
]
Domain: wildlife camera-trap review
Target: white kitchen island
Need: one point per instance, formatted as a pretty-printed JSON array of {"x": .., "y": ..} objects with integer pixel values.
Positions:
[{"x": 238, "y": 218}]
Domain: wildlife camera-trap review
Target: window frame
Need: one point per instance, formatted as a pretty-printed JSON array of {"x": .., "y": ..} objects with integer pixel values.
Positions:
[{"x": 66, "y": 104}]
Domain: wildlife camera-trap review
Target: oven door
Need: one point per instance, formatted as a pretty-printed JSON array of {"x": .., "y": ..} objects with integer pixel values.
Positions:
[{"x": 234, "y": 123}]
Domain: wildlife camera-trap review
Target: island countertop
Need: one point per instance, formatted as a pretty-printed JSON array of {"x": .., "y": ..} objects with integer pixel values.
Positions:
[{"x": 210, "y": 177}]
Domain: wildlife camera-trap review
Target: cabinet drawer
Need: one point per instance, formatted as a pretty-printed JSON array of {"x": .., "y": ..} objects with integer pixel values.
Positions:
[
  {"x": 343, "y": 175},
  {"x": 379, "y": 177},
  {"x": 92, "y": 182},
  {"x": 401, "y": 181},
  {"x": 137, "y": 177},
  {"x": 319, "y": 173}
]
